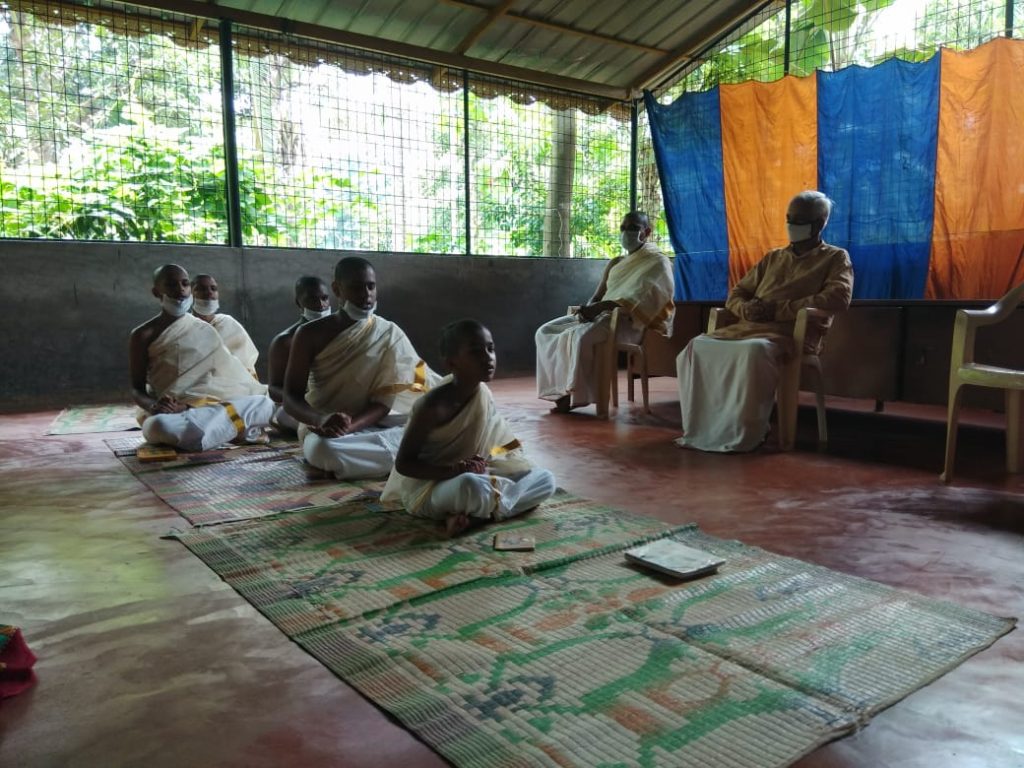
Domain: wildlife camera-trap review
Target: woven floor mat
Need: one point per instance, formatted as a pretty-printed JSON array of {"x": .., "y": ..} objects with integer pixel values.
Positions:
[
  {"x": 124, "y": 449},
  {"x": 594, "y": 662},
  {"x": 83, "y": 419},
  {"x": 321, "y": 566},
  {"x": 568, "y": 656},
  {"x": 250, "y": 486}
]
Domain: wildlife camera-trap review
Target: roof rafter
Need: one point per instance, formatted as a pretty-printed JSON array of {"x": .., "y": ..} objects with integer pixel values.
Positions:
[
  {"x": 380, "y": 45},
  {"x": 564, "y": 28},
  {"x": 486, "y": 23}
]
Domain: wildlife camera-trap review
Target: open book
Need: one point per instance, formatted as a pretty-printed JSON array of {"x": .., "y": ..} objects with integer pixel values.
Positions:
[{"x": 675, "y": 559}]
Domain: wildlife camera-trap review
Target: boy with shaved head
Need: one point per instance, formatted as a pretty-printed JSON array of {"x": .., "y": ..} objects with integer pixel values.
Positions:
[
  {"x": 193, "y": 393},
  {"x": 206, "y": 306},
  {"x": 351, "y": 379},
  {"x": 313, "y": 298}
]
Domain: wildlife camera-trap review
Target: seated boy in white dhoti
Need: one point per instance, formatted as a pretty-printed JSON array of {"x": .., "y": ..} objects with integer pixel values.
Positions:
[
  {"x": 193, "y": 393},
  {"x": 206, "y": 306},
  {"x": 313, "y": 299},
  {"x": 351, "y": 379},
  {"x": 640, "y": 283},
  {"x": 459, "y": 461},
  {"x": 727, "y": 379}
]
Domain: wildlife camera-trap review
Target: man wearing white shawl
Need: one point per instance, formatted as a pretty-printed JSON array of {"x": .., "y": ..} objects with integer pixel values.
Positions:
[
  {"x": 640, "y": 283},
  {"x": 206, "y": 306},
  {"x": 351, "y": 380},
  {"x": 458, "y": 460},
  {"x": 192, "y": 393}
]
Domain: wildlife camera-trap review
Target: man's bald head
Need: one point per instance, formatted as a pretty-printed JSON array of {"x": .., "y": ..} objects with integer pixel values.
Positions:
[
  {"x": 350, "y": 267},
  {"x": 638, "y": 218},
  {"x": 161, "y": 273}
]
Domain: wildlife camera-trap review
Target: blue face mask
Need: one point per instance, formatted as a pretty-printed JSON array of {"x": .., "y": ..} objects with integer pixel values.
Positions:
[{"x": 174, "y": 307}]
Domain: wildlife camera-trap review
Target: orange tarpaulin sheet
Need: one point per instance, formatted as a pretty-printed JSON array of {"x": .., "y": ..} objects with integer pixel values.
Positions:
[
  {"x": 978, "y": 235},
  {"x": 769, "y": 154}
]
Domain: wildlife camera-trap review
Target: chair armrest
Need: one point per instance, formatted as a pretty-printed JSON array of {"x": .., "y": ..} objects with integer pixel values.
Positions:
[
  {"x": 803, "y": 319},
  {"x": 998, "y": 312},
  {"x": 719, "y": 317}
]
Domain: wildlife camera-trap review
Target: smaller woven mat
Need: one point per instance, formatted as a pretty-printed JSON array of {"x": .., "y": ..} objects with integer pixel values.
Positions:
[
  {"x": 124, "y": 448},
  {"x": 82, "y": 419},
  {"x": 247, "y": 486}
]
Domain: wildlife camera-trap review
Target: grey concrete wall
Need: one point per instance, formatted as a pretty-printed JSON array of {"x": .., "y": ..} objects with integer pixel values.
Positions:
[{"x": 66, "y": 309}]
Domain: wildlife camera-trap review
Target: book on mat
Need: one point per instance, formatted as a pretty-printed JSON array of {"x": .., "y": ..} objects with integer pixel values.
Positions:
[
  {"x": 675, "y": 559},
  {"x": 510, "y": 541},
  {"x": 147, "y": 453}
]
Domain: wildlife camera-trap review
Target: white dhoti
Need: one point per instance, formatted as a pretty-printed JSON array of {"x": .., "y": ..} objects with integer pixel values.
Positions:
[
  {"x": 365, "y": 454},
  {"x": 567, "y": 362},
  {"x": 726, "y": 392},
  {"x": 206, "y": 427},
  {"x": 488, "y": 497}
]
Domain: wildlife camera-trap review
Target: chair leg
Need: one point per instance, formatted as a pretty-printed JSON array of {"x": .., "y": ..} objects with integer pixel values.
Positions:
[
  {"x": 614, "y": 381},
  {"x": 786, "y": 404},
  {"x": 952, "y": 422},
  {"x": 1013, "y": 447},
  {"x": 643, "y": 382},
  {"x": 604, "y": 381},
  {"x": 630, "y": 388},
  {"x": 819, "y": 399}
]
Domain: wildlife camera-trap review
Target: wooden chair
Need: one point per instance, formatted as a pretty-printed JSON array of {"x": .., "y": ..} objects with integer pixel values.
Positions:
[
  {"x": 803, "y": 367},
  {"x": 964, "y": 370}
]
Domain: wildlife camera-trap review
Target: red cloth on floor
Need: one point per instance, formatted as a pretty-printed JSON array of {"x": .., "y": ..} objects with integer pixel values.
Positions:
[{"x": 16, "y": 662}]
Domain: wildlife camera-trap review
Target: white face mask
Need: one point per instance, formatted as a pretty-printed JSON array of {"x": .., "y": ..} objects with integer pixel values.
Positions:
[
  {"x": 357, "y": 313},
  {"x": 630, "y": 240},
  {"x": 315, "y": 314},
  {"x": 175, "y": 308},
  {"x": 206, "y": 306},
  {"x": 797, "y": 233}
]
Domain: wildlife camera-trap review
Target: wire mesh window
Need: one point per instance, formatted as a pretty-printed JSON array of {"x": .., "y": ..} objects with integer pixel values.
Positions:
[
  {"x": 338, "y": 150},
  {"x": 648, "y": 183},
  {"x": 549, "y": 178},
  {"x": 110, "y": 125}
]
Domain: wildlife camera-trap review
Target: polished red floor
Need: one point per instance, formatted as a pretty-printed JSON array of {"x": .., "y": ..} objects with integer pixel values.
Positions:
[{"x": 148, "y": 659}]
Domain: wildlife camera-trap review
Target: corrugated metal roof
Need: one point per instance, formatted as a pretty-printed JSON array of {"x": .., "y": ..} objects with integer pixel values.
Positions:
[{"x": 610, "y": 48}]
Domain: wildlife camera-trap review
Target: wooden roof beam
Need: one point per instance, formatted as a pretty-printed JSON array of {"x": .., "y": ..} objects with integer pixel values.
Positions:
[
  {"x": 486, "y": 23},
  {"x": 564, "y": 28}
]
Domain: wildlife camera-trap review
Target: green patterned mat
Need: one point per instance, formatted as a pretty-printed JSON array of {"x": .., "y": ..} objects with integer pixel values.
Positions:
[
  {"x": 570, "y": 657},
  {"x": 82, "y": 419},
  {"x": 316, "y": 567}
]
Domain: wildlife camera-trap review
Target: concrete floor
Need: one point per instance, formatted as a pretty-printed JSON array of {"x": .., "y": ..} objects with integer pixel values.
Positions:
[{"x": 148, "y": 659}]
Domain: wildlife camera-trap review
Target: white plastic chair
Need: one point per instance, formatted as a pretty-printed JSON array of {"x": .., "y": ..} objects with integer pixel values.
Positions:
[
  {"x": 803, "y": 367},
  {"x": 963, "y": 370}
]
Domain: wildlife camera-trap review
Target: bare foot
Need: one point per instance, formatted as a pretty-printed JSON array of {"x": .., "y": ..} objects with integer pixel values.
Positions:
[
  {"x": 562, "y": 404},
  {"x": 456, "y": 524}
]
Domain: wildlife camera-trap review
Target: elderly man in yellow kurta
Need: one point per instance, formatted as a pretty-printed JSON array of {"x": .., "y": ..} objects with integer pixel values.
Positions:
[
  {"x": 640, "y": 283},
  {"x": 727, "y": 379}
]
